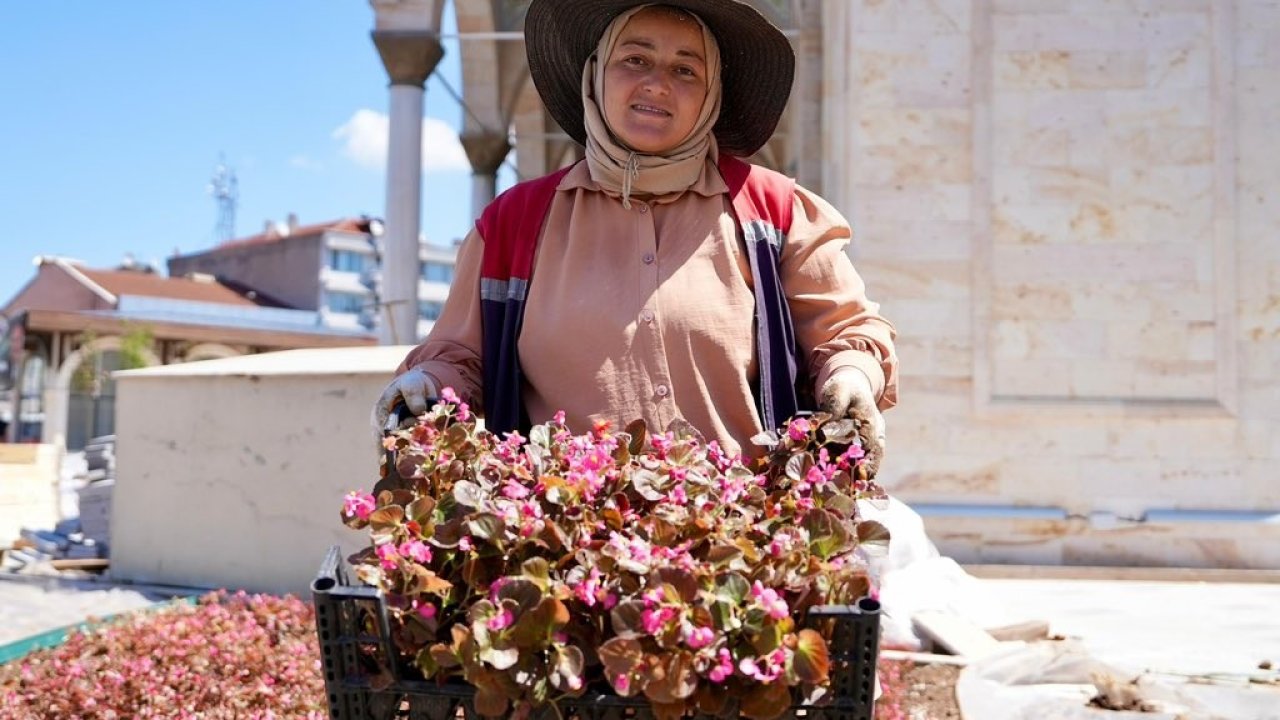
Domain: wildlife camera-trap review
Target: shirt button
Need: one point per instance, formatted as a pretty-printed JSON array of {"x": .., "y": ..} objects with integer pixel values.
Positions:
[
  {"x": 662, "y": 390},
  {"x": 644, "y": 208},
  {"x": 648, "y": 258},
  {"x": 647, "y": 316}
]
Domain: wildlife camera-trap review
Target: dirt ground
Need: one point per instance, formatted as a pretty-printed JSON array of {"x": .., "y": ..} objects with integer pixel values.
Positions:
[{"x": 929, "y": 692}]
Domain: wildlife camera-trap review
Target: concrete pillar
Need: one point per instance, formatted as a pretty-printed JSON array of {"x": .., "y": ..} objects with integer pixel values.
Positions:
[
  {"x": 486, "y": 151},
  {"x": 409, "y": 57}
]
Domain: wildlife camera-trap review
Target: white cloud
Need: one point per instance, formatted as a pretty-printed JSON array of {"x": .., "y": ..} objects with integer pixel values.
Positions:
[
  {"x": 305, "y": 162},
  {"x": 365, "y": 138}
]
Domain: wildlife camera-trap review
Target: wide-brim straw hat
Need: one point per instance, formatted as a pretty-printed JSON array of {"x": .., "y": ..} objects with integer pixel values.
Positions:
[{"x": 757, "y": 63}]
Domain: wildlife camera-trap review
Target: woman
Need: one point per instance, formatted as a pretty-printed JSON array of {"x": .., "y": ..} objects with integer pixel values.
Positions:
[{"x": 660, "y": 278}]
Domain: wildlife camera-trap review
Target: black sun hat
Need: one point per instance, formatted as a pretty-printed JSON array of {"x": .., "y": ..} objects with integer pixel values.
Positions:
[{"x": 757, "y": 63}]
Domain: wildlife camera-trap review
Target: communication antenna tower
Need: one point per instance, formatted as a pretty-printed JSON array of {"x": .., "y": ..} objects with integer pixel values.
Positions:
[{"x": 223, "y": 189}]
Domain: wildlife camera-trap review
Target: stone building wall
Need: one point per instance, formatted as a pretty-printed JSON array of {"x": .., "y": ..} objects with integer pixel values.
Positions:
[{"x": 1070, "y": 210}]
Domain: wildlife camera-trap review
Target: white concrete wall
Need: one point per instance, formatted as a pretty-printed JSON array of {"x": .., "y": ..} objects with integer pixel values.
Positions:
[
  {"x": 231, "y": 472},
  {"x": 28, "y": 489},
  {"x": 1070, "y": 210}
]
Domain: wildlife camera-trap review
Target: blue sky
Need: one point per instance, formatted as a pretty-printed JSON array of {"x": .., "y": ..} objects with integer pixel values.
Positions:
[{"x": 115, "y": 114}]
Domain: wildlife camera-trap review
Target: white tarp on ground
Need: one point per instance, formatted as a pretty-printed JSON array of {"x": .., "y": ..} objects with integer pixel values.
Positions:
[{"x": 1056, "y": 680}]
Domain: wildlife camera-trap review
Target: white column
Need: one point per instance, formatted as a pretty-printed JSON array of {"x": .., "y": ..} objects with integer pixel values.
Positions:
[
  {"x": 409, "y": 57},
  {"x": 399, "y": 320}
]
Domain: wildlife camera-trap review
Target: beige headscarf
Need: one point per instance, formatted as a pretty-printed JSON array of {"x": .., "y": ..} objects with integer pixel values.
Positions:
[{"x": 616, "y": 168}]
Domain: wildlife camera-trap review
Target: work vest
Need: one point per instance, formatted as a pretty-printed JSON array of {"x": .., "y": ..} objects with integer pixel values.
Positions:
[{"x": 511, "y": 226}]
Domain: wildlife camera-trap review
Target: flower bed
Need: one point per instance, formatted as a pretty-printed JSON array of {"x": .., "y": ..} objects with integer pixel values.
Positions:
[
  {"x": 644, "y": 565},
  {"x": 229, "y": 656}
]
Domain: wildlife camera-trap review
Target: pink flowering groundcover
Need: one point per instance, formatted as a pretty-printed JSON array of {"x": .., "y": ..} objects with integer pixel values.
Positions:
[{"x": 654, "y": 565}]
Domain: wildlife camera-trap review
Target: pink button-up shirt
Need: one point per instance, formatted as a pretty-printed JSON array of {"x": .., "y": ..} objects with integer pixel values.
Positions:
[{"x": 649, "y": 312}]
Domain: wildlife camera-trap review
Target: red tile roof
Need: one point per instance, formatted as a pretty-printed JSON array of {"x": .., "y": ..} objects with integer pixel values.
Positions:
[
  {"x": 351, "y": 225},
  {"x": 129, "y": 282}
]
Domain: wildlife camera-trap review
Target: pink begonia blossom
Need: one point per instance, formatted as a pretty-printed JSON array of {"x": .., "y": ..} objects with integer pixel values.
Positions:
[
  {"x": 426, "y": 610},
  {"x": 558, "y": 418},
  {"x": 502, "y": 620},
  {"x": 464, "y": 543},
  {"x": 699, "y": 637},
  {"x": 622, "y": 683},
  {"x": 774, "y": 606},
  {"x": 359, "y": 504},
  {"x": 588, "y": 590},
  {"x": 723, "y": 667},
  {"x": 417, "y": 550},
  {"x": 388, "y": 555},
  {"x": 799, "y": 429},
  {"x": 514, "y": 490}
]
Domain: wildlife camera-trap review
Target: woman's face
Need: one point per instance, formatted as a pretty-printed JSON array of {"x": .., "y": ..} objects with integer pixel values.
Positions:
[{"x": 655, "y": 81}]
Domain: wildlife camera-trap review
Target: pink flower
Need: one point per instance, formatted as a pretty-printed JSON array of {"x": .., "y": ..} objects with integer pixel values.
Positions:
[
  {"x": 723, "y": 668},
  {"x": 464, "y": 543},
  {"x": 798, "y": 430},
  {"x": 448, "y": 395},
  {"x": 388, "y": 555},
  {"x": 359, "y": 504},
  {"x": 748, "y": 667},
  {"x": 417, "y": 550},
  {"x": 502, "y": 620},
  {"x": 558, "y": 418},
  {"x": 427, "y": 610},
  {"x": 622, "y": 683},
  {"x": 774, "y": 606},
  {"x": 699, "y": 637},
  {"x": 514, "y": 490}
]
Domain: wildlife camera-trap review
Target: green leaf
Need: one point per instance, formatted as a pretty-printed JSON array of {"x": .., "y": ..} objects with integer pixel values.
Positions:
[
  {"x": 732, "y": 587},
  {"x": 812, "y": 662},
  {"x": 766, "y": 702},
  {"x": 873, "y": 537}
]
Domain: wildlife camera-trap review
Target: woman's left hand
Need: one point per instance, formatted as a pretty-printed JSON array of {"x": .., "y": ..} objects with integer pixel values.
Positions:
[{"x": 848, "y": 394}]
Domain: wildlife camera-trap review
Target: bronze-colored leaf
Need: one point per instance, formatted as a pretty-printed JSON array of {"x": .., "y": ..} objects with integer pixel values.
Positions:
[
  {"x": 386, "y": 517},
  {"x": 620, "y": 656},
  {"x": 873, "y": 537},
  {"x": 766, "y": 702},
  {"x": 712, "y": 700},
  {"x": 673, "y": 680},
  {"x": 626, "y": 617},
  {"x": 639, "y": 433},
  {"x": 812, "y": 662}
]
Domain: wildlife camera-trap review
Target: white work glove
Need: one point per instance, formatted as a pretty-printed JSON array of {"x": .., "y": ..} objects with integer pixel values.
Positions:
[
  {"x": 415, "y": 386},
  {"x": 848, "y": 394}
]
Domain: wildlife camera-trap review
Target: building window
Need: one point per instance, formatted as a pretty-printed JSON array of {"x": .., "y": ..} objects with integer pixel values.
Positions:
[
  {"x": 348, "y": 261},
  {"x": 430, "y": 309},
  {"x": 340, "y": 302},
  {"x": 437, "y": 272}
]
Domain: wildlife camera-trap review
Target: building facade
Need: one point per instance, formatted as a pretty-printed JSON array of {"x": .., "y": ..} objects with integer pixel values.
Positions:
[
  {"x": 333, "y": 268},
  {"x": 1069, "y": 209},
  {"x": 72, "y": 326}
]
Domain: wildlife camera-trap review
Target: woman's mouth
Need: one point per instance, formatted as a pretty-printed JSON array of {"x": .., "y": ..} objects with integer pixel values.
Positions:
[{"x": 650, "y": 110}]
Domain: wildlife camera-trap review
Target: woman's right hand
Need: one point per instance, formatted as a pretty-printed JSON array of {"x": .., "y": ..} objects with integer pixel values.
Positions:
[{"x": 416, "y": 388}]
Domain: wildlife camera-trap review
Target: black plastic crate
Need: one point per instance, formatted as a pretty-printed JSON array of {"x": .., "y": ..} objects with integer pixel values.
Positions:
[{"x": 355, "y": 645}]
